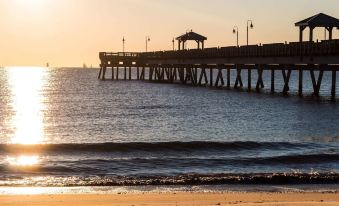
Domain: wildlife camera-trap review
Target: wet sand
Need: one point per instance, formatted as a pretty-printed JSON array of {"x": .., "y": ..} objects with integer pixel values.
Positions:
[{"x": 176, "y": 199}]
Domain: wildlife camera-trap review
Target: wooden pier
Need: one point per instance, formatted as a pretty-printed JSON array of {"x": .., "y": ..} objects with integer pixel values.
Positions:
[
  {"x": 197, "y": 67},
  {"x": 208, "y": 67}
]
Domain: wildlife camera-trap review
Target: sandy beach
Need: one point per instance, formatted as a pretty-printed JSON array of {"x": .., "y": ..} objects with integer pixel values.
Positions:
[{"x": 182, "y": 198}]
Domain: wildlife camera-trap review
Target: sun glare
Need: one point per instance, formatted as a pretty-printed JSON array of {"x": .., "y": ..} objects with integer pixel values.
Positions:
[{"x": 31, "y": 4}]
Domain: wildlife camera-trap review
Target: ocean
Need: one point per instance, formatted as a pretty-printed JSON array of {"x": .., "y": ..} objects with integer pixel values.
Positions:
[{"x": 66, "y": 128}]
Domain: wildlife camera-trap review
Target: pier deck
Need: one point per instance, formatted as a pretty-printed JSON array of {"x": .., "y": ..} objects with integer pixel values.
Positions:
[{"x": 197, "y": 67}]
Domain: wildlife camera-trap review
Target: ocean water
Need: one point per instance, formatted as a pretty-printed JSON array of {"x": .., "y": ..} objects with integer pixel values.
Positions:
[{"x": 63, "y": 127}]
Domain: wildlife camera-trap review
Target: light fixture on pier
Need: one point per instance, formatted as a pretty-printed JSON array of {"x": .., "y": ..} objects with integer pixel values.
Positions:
[
  {"x": 236, "y": 31},
  {"x": 148, "y": 39},
  {"x": 251, "y": 26},
  {"x": 173, "y": 43}
]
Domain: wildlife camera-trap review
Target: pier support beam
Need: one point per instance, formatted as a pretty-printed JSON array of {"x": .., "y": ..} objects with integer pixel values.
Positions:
[
  {"x": 130, "y": 73},
  {"x": 316, "y": 84},
  {"x": 195, "y": 75},
  {"x": 99, "y": 76},
  {"x": 219, "y": 77},
  {"x": 203, "y": 75},
  {"x": 249, "y": 82},
  {"x": 238, "y": 81},
  {"x": 125, "y": 73},
  {"x": 228, "y": 77},
  {"x": 300, "y": 89},
  {"x": 272, "y": 81},
  {"x": 166, "y": 74},
  {"x": 189, "y": 75},
  {"x": 171, "y": 70},
  {"x": 286, "y": 77},
  {"x": 169, "y": 74},
  {"x": 175, "y": 77},
  {"x": 173, "y": 74},
  {"x": 260, "y": 82},
  {"x": 155, "y": 73},
  {"x": 104, "y": 73},
  {"x": 334, "y": 81},
  {"x": 158, "y": 72},
  {"x": 162, "y": 74},
  {"x": 112, "y": 73},
  {"x": 211, "y": 76},
  {"x": 181, "y": 71},
  {"x": 150, "y": 73},
  {"x": 142, "y": 75}
]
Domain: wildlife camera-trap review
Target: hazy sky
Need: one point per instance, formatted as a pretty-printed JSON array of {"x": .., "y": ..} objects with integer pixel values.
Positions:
[{"x": 72, "y": 32}]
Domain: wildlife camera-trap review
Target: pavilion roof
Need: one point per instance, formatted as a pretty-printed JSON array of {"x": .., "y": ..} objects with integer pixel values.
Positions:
[
  {"x": 319, "y": 20},
  {"x": 191, "y": 36}
]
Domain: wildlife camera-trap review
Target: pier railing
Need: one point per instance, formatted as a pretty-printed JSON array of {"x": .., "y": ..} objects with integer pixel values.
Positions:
[{"x": 323, "y": 48}]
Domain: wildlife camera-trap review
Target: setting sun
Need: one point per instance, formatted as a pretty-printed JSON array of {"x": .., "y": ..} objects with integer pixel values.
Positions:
[{"x": 31, "y": 4}]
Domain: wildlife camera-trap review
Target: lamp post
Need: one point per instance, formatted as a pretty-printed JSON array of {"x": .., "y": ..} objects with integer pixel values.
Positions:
[
  {"x": 148, "y": 39},
  {"x": 251, "y": 26},
  {"x": 236, "y": 31},
  {"x": 123, "y": 44},
  {"x": 173, "y": 43}
]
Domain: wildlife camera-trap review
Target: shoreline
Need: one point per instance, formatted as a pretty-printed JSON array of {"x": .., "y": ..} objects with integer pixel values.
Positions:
[
  {"x": 178, "y": 199},
  {"x": 156, "y": 189}
]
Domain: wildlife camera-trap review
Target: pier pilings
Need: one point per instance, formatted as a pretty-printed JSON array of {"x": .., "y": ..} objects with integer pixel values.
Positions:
[{"x": 219, "y": 76}]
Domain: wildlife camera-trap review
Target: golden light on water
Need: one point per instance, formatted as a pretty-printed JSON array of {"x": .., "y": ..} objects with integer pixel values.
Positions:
[
  {"x": 26, "y": 85},
  {"x": 23, "y": 161}
]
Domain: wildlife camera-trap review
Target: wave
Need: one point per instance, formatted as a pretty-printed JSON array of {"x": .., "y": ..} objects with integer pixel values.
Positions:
[
  {"x": 299, "y": 159},
  {"x": 162, "y": 165},
  {"x": 154, "y": 147},
  {"x": 217, "y": 161},
  {"x": 171, "y": 158}
]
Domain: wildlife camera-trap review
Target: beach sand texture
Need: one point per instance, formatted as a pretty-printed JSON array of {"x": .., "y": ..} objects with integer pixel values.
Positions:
[{"x": 174, "y": 199}]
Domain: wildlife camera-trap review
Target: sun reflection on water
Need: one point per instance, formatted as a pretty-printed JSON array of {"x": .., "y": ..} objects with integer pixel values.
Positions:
[{"x": 26, "y": 84}]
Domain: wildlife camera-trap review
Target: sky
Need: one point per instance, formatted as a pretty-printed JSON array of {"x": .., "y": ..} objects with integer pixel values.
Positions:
[{"x": 72, "y": 32}]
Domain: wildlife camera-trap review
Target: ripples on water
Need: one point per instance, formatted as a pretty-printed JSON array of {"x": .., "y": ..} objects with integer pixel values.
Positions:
[{"x": 64, "y": 127}]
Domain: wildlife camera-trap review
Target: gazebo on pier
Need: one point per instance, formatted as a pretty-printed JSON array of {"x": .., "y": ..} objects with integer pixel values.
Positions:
[
  {"x": 319, "y": 20},
  {"x": 191, "y": 36}
]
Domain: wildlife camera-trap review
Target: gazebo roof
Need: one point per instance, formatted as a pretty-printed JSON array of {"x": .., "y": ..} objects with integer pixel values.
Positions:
[
  {"x": 319, "y": 20},
  {"x": 191, "y": 36}
]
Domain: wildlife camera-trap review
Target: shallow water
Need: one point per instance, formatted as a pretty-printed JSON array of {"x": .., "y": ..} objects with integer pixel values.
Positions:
[{"x": 63, "y": 127}]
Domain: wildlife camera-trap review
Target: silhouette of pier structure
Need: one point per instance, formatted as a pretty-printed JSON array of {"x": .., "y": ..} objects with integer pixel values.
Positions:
[{"x": 209, "y": 66}]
